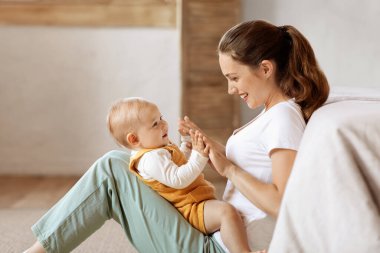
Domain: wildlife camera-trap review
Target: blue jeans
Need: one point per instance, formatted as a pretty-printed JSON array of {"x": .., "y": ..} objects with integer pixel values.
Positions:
[{"x": 108, "y": 190}]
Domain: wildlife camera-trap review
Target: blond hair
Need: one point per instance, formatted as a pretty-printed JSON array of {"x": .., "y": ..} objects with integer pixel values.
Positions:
[{"x": 124, "y": 118}]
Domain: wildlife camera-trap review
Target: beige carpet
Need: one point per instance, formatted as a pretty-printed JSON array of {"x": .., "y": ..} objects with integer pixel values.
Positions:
[{"x": 16, "y": 236}]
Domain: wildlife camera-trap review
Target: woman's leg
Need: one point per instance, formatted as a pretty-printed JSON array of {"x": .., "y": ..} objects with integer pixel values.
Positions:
[
  {"x": 109, "y": 190},
  {"x": 260, "y": 232}
]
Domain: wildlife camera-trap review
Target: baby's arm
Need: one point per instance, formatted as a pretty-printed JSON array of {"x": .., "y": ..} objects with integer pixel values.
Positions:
[
  {"x": 158, "y": 165},
  {"x": 186, "y": 145}
]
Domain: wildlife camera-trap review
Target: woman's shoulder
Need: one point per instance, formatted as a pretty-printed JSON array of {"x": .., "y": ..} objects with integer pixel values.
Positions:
[
  {"x": 286, "y": 111},
  {"x": 284, "y": 128},
  {"x": 289, "y": 106}
]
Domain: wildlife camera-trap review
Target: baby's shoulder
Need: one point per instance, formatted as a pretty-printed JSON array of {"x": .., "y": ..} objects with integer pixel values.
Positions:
[{"x": 156, "y": 153}]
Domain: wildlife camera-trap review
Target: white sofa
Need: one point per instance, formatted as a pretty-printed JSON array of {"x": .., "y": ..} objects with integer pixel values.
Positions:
[{"x": 332, "y": 200}]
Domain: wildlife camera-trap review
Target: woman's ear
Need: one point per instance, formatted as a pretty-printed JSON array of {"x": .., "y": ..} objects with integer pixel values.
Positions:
[
  {"x": 267, "y": 68},
  {"x": 132, "y": 139}
]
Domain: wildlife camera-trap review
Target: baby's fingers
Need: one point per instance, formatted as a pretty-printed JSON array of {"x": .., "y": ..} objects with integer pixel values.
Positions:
[
  {"x": 193, "y": 136},
  {"x": 200, "y": 139},
  {"x": 192, "y": 133}
]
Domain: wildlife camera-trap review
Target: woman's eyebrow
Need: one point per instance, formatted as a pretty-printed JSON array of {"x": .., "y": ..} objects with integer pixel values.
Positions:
[{"x": 229, "y": 74}]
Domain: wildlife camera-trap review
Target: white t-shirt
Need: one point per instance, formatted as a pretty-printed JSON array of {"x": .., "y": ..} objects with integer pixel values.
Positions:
[{"x": 249, "y": 147}]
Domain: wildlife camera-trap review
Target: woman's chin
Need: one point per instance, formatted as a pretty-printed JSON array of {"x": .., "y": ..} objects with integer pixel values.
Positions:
[{"x": 252, "y": 105}]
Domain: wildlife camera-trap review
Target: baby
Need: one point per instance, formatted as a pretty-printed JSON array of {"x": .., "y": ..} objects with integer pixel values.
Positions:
[{"x": 174, "y": 173}]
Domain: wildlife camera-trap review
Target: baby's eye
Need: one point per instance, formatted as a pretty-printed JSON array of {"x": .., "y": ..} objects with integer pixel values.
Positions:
[
  {"x": 155, "y": 124},
  {"x": 162, "y": 117},
  {"x": 234, "y": 79}
]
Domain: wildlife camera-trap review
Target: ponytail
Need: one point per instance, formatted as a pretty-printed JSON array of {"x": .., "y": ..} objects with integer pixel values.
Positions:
[{"x": 304, "y": 81}]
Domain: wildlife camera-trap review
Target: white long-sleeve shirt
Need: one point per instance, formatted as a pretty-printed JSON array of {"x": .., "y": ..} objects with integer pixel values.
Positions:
[{"x": 158, "y": 165}]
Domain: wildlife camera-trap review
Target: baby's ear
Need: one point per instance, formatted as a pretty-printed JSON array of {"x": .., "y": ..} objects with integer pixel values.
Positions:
[{"x": 132, "y": 139}]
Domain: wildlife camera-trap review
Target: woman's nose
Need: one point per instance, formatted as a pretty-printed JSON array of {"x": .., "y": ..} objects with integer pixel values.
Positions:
[{"x": 231, "y": 89}]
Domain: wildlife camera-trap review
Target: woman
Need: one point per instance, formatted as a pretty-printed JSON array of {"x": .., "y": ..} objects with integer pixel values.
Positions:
[
  {"x": 275, "y": 67},
  {"x": 265, "y": 65}
]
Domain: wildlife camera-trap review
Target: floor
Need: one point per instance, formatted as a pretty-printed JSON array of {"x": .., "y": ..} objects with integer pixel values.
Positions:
[
  {"x": 44, "y": 191},
  {"x": 33, "y": 191},
  {"x": 25, "y": 199}
]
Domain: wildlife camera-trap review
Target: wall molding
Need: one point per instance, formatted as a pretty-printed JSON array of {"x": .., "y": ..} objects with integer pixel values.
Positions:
[{"x": 152, "y": 13}]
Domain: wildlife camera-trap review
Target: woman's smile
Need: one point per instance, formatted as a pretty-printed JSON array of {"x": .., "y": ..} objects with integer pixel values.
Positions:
[{"x": 244, "y": 96}]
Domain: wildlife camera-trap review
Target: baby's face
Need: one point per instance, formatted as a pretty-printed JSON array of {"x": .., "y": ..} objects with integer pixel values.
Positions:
[{"x": 153, "y": 129}]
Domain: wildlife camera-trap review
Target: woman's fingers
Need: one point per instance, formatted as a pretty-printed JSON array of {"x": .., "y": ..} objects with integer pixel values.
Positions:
[
  {"x": 209, "y": 142},
  {"x": 183, "y": 128},
  {"x": 207, "y": 149},
  {"x": 189, "y": 124},
  {"x": 206, "y": 140},
  {"x": 192, "y": 135}
]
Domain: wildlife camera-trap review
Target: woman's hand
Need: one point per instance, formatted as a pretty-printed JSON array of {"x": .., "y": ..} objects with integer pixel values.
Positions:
[
  {"x": 220, "y": 162},
  {"x": 184, "y": 127}
]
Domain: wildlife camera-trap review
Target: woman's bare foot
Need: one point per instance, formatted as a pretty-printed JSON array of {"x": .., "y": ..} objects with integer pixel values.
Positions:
[{"x": 36, "y": 248}]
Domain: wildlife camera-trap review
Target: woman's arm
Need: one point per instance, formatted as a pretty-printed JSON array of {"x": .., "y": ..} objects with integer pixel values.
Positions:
[{"x": 265, "y": 196}]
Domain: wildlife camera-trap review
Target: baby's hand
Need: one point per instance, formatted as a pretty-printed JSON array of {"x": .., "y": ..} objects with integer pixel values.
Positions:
[
  {"x": 185, "y": 134},
  {"x": 186, "y": 139},
  {"x": 198, "y": 143}
]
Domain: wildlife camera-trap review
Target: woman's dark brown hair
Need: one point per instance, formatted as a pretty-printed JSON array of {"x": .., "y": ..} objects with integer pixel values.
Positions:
[{"x": 298, "y": 73}]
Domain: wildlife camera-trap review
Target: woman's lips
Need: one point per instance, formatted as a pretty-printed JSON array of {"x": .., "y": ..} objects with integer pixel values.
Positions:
[{"x": 244, "y": 96}]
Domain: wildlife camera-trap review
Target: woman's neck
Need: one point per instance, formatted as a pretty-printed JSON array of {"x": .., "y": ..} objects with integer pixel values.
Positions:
[{"x": 276, "y": 97}]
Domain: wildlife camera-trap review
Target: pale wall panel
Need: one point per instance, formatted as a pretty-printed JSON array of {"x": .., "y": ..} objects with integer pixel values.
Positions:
[
  {"x": 344, "y": 35},
  {"x": 57, "y": 83}
]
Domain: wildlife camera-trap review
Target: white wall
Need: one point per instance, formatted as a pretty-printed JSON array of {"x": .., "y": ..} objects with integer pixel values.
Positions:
[
  {"x": 56, "y": 85},
  {"x": 344, "y": 34}
]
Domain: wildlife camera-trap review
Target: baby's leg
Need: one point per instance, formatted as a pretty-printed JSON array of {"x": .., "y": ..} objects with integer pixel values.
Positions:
[{"x": 223, "y": 216}]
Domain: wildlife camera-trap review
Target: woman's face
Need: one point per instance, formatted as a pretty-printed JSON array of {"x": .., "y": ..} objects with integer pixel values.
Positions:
[{"x": 252, "y": 85}]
